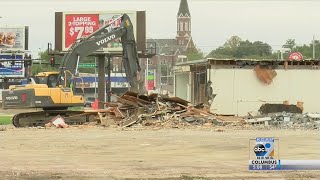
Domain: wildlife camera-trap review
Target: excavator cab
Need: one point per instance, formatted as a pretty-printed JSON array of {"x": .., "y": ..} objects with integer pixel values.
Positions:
[{"x": 48, "y": 78}]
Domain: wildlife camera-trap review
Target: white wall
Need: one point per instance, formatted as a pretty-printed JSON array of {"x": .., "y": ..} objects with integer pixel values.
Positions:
[
  {"x": 240, "y": 91},
  {"x": 182, "y": 86}
]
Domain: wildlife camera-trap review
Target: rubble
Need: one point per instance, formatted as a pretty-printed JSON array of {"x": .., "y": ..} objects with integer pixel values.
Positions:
[
  {"x": 278, "y": 108},
  {"x": 287, "y": 120},
  {"x": 155, "y": 110},
  {"x": 58, "y": 122}
]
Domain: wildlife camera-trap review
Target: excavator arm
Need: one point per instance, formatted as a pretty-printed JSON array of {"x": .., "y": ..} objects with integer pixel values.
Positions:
[{"x": 99, "y": 39}]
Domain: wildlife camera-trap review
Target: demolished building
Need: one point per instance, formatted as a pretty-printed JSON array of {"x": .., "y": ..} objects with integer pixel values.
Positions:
[{"x": 245, "y": 85}]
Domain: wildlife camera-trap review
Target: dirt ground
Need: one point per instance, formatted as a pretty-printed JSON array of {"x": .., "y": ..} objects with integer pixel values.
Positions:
[{"x": 103, "y": 153}]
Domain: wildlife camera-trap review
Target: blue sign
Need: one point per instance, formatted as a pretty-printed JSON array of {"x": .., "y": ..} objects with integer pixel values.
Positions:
[
  {"x": 11, "y": 68},
  {"x": 264, "y": 147}
]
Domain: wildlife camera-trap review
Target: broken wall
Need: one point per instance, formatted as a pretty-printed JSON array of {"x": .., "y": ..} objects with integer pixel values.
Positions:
[
  {"x": 182, "y": 86},
  {"x": 240, "y": 91}
]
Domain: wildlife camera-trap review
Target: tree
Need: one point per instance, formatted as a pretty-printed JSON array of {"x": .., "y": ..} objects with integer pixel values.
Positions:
[
  {"x": 262, "y": 49},
  {"x": 233, "y": 42},
  {"x": 244, "y": 49},
  {"x": 290, "y": 43},
  {"x": 235, "y": 47},
  {"x": 307, "y": 50},
  {"x": 45, "y": 58},
  {"x": 195, "y": 54}
]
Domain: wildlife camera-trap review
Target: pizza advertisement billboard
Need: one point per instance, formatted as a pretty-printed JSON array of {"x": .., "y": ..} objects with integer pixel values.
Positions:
[{"x": 76, "y": 25}]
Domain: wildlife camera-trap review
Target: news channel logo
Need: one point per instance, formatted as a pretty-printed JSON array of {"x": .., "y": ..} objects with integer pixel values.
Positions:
[{"x": 264, "y": 147}]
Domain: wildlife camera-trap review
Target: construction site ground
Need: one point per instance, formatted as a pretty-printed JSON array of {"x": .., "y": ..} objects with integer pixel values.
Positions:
[{"x": 94, "y": 152}]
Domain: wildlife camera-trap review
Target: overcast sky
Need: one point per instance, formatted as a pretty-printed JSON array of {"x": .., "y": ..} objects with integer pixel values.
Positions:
[{"x": 213, "y": 21}]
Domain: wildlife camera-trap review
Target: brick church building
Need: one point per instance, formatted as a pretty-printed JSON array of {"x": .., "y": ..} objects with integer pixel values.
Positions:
[{"x": 169, "y": 52}]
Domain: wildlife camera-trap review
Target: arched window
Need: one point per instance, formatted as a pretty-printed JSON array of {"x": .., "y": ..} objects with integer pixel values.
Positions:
[
  {"x": 186, "y": 26},
  {"x": 181, "y": 26},
  {"x": 189, "y": 26}
]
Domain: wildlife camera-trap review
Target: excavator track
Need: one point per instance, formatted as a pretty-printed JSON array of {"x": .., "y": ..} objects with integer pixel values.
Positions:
[{"x": 40, "y": 118}]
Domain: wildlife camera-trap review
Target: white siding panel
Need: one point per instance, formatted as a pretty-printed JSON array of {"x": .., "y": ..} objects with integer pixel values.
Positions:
[
  {"x": 222, "y": 81},
  {"x": 240, "y": 91},
  {"x": 182, "y": 86}
]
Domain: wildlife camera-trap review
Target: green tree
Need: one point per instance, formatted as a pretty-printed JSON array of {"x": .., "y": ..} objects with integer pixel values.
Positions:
[
  {"x": 44, "y": 56},
  {"x": 244, "y": 49},
  {"x": 233, "y": 42},
  {"x": 44, "y": 64},
  {"x": 307, "y": 50},
  {"x": 262, "y": 49},
  {"x": 221, "y": 52},
  {"x": 235, "y": 47},
  {"x": 290, "y": 43},
  {"x": 195, "y": 54}
]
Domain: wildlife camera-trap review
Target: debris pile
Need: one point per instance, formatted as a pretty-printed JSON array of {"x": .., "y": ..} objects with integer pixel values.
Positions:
[
  {"x": 288, "y": 120},
  {"x": 155, "y": 110},
  {"x": 133, "y": 109},
  {"x": 58, "y": 122}
]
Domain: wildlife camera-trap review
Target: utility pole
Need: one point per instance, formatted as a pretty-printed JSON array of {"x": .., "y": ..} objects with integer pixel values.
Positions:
[
  {"x": 102, "y": 82},
  {"x": 109, "y": 88},
  {"x": 313, "y": 49},
  {"x": 95, "y": 77},
  {"x": 147, "y": 74}
]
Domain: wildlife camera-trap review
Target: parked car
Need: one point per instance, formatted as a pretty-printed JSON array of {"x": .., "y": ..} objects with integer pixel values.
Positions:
[{"x": 89, "y": 101}]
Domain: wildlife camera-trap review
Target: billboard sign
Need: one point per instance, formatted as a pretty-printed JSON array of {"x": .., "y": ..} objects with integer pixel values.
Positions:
[
  {"x": 77, "y": 25},
  {"x": 295, "y": 56},
  {"x": 11, "y": 68},
  {"x": 151, "y": 79},
  {"x": 13, "y": 38}
]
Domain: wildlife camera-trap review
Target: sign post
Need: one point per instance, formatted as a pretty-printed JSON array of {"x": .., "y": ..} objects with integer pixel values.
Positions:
[{"x": 95, "y": 78}]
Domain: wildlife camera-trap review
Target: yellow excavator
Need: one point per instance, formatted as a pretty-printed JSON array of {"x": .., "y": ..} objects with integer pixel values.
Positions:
[{"x": 54, "y": 91}]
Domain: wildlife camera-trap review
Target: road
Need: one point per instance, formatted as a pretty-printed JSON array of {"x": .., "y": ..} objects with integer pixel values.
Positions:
[{"x": 99, "y": 153}]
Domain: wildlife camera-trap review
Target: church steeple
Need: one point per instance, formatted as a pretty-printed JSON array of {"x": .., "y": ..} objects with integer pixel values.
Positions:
[
  {"x": 183, "y": 23},
  {"x": 184, "y": 9}
]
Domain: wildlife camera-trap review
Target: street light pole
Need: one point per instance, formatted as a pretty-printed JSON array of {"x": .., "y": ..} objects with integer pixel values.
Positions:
[
  {"x": 147, "y": 74},
  {"x": 313, "y": 49},
  {"x": 95, "y": 77}
]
